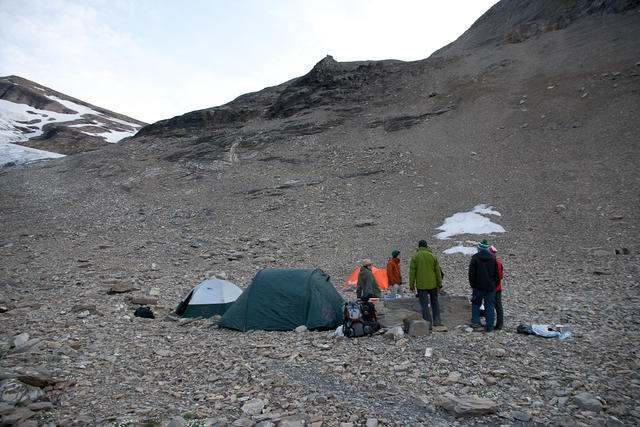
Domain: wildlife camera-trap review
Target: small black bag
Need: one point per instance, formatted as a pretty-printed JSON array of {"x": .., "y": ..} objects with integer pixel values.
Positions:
[{"x": 144, "y": 312}]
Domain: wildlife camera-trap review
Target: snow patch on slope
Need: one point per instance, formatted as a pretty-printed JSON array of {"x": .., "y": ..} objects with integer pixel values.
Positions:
[
  {"x": 21, "y": 122},
  {"x": 17, "y": 154},
  {"x": 472, "y": 222}
]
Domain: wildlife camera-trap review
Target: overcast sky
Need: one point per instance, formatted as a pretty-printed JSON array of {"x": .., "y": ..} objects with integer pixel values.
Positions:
[{"x": 155, "y": 59}]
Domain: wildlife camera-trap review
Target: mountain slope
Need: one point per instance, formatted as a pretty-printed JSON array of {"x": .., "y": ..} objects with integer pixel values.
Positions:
[
  {"x": 516, "y": 21},
  {"x": 38, "y": 117}
]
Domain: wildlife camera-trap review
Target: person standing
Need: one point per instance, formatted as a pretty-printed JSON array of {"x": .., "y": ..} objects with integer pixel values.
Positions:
[
  {"x": 425, "y": 276},
  {"x": 499, "y": 310},
  {"x": 367, "y": 283},
  {"x": 394, "y": 275},
  {"x": 484, "y": 276}
]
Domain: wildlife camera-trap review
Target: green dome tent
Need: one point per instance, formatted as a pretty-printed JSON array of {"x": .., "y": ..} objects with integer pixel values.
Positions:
[
  {"x": 283, "y": 299},
  {"x": 211, "y": 297}
]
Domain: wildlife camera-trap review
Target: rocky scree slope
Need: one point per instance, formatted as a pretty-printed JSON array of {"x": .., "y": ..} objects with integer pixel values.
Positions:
[{"x": 320, "y": 172}]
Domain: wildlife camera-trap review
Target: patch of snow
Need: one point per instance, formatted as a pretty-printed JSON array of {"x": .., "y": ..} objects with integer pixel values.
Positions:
[
  {"x": 483, "y": 209},
  {"x": 470, "y": 223},
  {"x": 12, "y": 113},
  {"x": 465, "y": 250},
  {"x": 83, "y": 125},
  {"x": 82, "y": 110},
  {"x": 12, "y": 128},
  {"x": 111, "y": 136},
  {"x": 79, "y": 109},
  {"x": 122, "y": 122},
  {"x": 17, "y": 154}
]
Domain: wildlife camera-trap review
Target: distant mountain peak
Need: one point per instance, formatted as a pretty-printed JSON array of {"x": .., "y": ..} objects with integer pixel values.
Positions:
[
  {"x": 35, "y": 116},
  {"x": 326, "y": 63}
]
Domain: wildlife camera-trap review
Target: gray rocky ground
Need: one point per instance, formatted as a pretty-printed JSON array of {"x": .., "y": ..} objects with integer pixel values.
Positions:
[{"x": 352, "y": 161}]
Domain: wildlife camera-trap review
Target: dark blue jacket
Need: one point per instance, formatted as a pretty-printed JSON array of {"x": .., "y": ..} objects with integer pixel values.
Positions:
[{"x": 484, "y": 273}]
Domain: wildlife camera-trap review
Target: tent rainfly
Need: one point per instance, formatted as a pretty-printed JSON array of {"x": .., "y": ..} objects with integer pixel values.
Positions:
[
  {"x": 379, "y": 273},
  {"x": 283, "y": 299},
  {"x": 211, "y": 297}
]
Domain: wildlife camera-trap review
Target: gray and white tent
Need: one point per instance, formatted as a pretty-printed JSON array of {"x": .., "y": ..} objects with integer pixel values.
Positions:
[{"x": 211, "y": 297}]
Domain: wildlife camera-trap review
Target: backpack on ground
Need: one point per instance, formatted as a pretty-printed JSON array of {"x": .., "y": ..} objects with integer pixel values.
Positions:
[
  {"x": 359, "y": 319},
  {"x": 144, "y": 312}
]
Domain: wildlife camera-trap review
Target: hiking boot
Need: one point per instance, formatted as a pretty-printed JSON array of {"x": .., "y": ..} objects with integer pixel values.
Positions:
[{"x": 475, "y": 325}]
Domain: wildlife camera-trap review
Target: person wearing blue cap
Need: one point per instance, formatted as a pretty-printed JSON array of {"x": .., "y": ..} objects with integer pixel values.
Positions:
[{"x": 484, "y": 278}]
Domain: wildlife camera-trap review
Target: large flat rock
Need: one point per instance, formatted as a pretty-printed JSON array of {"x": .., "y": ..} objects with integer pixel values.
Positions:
[{"x": 454, "y": 310}]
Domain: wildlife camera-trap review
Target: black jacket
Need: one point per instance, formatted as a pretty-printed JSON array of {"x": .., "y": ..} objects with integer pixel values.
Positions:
[{"x": 484, "y": 273}]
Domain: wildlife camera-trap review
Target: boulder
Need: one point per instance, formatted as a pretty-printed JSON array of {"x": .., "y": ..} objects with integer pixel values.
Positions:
[
  {"x": 79, "y": 308},
  {"x": 454, "y": 311},
  {"x": 418, "y": 328},
  {"x": 394, "y": 333},
  {"x": 121, "y": 288},
  {"x": 15, "y": 391},
  {"x": 253, "y": 407},
  {"x": 588, "y": 402},
  {"x": 20, "y": 340},
  {"x": 142, "y": 300},
  {"x": 467, "y": 406},
  {"x": 20, "y": 414}
]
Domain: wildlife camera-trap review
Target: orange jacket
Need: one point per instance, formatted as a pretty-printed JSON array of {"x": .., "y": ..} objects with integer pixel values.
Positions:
[{"x": 393, "y": 272}]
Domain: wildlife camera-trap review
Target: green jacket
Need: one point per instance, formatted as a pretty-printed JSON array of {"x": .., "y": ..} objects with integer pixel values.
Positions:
[{"x": 424, "y": 270}]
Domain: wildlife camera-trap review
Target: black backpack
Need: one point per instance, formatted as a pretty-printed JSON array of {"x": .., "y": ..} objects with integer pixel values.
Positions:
[
  {"x": 359, "y": 319},
  {"x": 144, "y": 312}
]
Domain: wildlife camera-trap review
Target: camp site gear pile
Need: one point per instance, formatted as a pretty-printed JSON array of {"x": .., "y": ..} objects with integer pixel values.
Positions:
[{"x": 359, "y": 319}]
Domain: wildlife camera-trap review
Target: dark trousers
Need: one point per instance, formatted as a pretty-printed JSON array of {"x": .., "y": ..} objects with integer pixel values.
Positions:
[
  {"x": 499, "y": 312},
  {"x": 477, "y": 298},
  {"x": 424, "y": 296}
]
